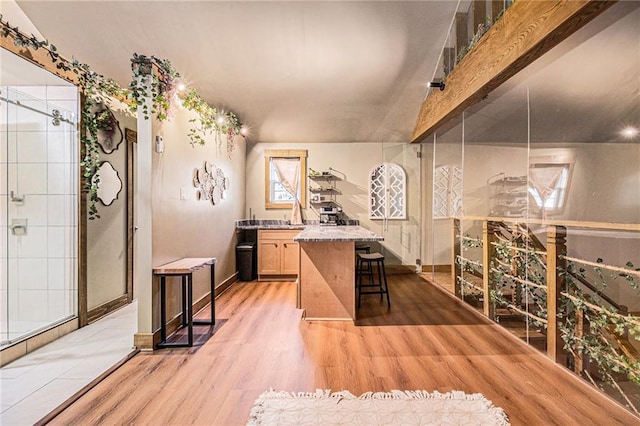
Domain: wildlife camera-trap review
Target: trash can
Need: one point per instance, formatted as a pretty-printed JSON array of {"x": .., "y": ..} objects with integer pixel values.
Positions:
[{"x": 246, "y": 262}]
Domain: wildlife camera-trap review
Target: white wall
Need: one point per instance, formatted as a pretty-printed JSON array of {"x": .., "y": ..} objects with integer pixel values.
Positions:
[
  {"x": 107, "y": 236},
  {"x": 352, "y": 162},
  {"x": 189, "y": 227}
]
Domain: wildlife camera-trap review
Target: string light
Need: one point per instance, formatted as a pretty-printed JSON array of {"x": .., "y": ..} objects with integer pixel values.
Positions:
[{"x": 630, "y": 132}]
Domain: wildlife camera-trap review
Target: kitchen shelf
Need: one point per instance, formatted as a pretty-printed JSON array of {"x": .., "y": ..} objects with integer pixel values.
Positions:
[
  {"x": 509, "y": 196},
  {"x": 324, "y": 177},
  {"x": 330, "y": 190},
  {"x": 325, "y": 192}
]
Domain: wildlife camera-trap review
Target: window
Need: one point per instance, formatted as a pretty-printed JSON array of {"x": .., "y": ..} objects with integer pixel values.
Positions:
[
  {"x": 278, "y": 193},
  {"x": 549, "y": 186}
]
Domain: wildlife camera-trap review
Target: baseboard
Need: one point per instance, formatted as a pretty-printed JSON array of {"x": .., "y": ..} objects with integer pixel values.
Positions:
[
  {"x": 277, "y": 277},
  {"x": 150, "y": 340},
  {"x": 436, "y": 268},
  {"x": 106, "y": 308},
  {"x": 146, "y": 341}
]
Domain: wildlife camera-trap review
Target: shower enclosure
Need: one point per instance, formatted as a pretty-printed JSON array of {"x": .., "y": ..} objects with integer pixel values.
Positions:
[{"x": 38, "y": 204}]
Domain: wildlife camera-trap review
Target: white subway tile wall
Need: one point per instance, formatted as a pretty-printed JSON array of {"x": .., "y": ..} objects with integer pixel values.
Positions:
[{"x": 38, "y": 161}]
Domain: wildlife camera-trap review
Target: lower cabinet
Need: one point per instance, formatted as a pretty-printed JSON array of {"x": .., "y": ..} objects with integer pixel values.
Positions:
[{"x": 278, "y": 254}]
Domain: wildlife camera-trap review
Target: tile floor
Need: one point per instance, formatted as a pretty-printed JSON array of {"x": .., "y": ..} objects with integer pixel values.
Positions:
[{"x": 37, "y": 383}]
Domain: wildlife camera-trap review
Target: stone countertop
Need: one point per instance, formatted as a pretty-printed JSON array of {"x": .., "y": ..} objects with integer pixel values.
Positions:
[
  {"x": 280, "y": 224},
  {"x": 267, "y": 224},
  {"x": 317, "y": 233}
]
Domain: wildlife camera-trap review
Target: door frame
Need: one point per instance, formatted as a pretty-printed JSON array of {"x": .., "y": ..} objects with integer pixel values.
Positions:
[{"x": 89, "y": 316}]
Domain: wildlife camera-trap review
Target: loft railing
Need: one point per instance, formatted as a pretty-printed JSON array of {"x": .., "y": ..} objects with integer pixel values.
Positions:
[{"x": 559, "y": 297}]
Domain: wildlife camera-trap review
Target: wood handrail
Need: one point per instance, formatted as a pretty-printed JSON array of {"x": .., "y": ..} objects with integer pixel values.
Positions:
[
  {"x": 617, "y": 226},
  {"x": 593, "y": 288}
]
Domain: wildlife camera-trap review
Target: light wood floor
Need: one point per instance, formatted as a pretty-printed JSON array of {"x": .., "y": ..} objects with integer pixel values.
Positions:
[{"x": 426, "y": 341}]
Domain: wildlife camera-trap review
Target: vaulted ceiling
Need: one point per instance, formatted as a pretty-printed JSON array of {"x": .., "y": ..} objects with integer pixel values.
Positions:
[{"x": 305, "y": 71}]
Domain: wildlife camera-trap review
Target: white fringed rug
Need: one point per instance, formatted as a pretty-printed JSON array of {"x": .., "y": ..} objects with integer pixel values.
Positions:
[{"x": 380, "y": 408}]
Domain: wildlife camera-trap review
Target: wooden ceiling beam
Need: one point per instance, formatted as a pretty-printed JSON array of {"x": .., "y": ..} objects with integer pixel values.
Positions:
[
  {"x": 39, "y": 57},
  {"x": 527, "y": 30}
]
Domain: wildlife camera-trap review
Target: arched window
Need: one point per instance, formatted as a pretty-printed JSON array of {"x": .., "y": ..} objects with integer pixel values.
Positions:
[{"x": 387, "y": 192}]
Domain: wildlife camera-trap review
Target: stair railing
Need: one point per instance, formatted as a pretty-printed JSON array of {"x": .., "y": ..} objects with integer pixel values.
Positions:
[{"x": 580, "y": 330}]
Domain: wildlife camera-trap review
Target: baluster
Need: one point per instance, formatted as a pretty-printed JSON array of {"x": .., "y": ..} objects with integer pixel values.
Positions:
[
  {"x": 489, "y": 230},
  {"x": 456, "y": 252},
  {"x": 578, "y": 362},
  {"x": 556, "y": 265}
]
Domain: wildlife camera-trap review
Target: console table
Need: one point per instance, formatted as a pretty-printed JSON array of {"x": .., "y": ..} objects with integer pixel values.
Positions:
[{"x": 184, "y": 268}]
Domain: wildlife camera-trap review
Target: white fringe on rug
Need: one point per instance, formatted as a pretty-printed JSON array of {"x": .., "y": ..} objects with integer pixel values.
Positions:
[{"x": 418, "y": 407}]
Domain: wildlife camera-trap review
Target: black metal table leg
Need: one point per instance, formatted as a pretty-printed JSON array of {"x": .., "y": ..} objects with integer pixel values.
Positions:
[
  {"x": 186, "y": 276},
  {"x": 213, "y": 295},
  {"x": 184, "y": 301},
  {"x": 190, "y": 307},
  {"x": 163, "y": 309}
]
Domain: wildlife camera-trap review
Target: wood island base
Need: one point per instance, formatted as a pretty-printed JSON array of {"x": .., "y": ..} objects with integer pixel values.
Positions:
[{"x": 327, "y": 280}]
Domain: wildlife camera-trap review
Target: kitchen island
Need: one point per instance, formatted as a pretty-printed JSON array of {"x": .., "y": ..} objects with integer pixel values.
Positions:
[{"x": 327, "y": 270}]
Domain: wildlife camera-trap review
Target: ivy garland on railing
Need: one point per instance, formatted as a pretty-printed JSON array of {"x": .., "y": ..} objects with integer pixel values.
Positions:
[
  {"x": 518, "y": 267},
  {"x": 161, "y": 84},
  {"x": 607, "y": 326},
  {"x": 480, "y": 31},
  {"x": 470, "y": 290},
  {"x": 513, "y": 259}
]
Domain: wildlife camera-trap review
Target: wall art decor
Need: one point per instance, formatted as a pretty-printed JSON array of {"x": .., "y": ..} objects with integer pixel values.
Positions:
[
  {"x": 387, "y": 192},
  {"x": 109, "y": 183},
  {"x": 447, "y": 191},
  {"x": 211, "y": 183}
]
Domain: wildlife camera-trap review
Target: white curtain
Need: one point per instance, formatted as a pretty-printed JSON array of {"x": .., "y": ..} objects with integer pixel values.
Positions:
[
  {"x": 288, "y": 171},
  {"x": 544, "y": 180}
]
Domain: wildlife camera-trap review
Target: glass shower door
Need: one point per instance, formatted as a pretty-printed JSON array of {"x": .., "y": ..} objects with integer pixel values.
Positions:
[{"x": 39, "y": 204}]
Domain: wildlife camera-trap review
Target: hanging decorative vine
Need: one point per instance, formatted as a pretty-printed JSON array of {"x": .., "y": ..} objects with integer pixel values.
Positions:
[
  {"x": 210, "y": 121},
  {"x": 160, "y": 83},
  {"x": 151, "y": 76},
  {"x": 97, "y": 90}
]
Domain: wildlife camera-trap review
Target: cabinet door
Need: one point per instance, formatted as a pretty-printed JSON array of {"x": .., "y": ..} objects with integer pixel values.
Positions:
[
  {"x": 269, "y": 257},
  {"x": 290, "y": 258}
]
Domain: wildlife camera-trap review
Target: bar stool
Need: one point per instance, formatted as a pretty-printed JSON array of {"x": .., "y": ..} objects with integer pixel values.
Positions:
[
  {"x": 363, "y": 247},
  {"x": 364, "y": 266},
  {"x": 366, "y": 248}
]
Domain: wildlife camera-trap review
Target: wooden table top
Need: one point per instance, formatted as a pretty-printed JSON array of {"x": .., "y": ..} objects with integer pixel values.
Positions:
[{"x": 184, "y": 266}]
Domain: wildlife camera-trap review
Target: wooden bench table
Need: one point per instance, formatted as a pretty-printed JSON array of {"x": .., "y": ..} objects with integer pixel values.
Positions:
[{"x": 184, "y": 268}]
